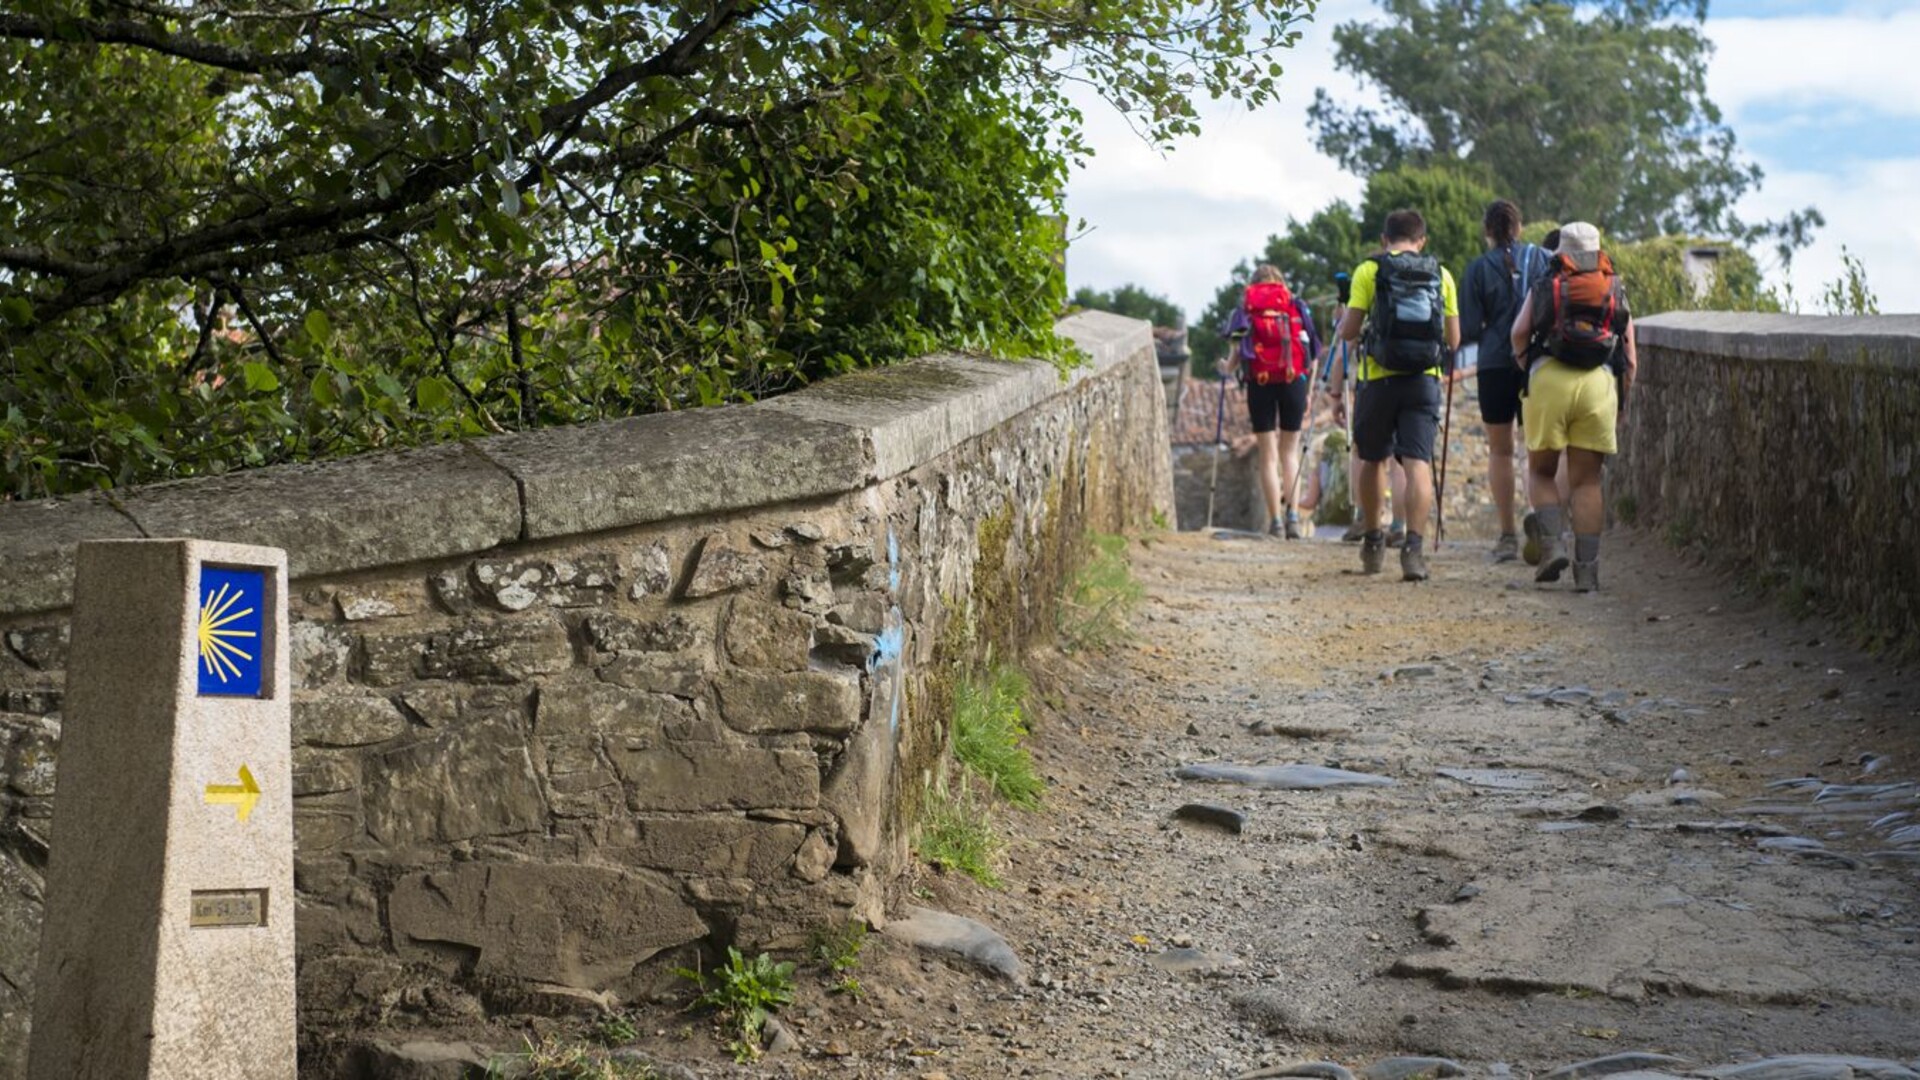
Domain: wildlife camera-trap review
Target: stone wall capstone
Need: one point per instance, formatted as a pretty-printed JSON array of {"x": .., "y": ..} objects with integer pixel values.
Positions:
[
  {"x": 1788, "y": 445},
  {"x": 570, "y": 700}
]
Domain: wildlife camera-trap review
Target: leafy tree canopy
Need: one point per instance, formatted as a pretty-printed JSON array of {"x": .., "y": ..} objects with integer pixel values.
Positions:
[
  {"x": 1134, "y": 302},
  {"x": 241, "y": 233},
  {"x": 1591, "y": 112}
]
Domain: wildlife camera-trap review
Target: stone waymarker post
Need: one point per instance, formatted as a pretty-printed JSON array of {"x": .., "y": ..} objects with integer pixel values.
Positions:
[{"x": 167, "y": 947}]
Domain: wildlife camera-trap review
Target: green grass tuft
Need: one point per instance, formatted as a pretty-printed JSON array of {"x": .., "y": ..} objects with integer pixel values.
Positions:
[
  {"x": 989, "y": 723},
  {"x": 957, "y": 832},
  {"x": 1097, "y": 607},
  {"x": 836, "y": 947},
  {"x": 550, "y": 1059}
]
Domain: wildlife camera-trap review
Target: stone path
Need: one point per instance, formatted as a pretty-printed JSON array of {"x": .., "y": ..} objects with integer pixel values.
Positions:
[{"x": 1664, "y": 819}]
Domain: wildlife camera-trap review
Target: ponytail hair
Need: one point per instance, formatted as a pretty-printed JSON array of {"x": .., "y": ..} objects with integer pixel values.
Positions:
[{"x": 1502, "y": 222}]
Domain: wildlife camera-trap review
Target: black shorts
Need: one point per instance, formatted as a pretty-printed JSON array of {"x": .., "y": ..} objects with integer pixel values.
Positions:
[
  {"x": 1277, "y": 405},
  {"x": 1397, "y": 416},
  {"x": 1500, "y": 394}
]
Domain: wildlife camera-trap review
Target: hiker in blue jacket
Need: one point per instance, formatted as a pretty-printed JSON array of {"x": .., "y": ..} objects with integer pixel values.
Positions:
[{"x": 1496, "y": 286}]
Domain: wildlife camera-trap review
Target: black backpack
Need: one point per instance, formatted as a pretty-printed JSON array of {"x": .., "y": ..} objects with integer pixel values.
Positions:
[{"x": 1406, "y": 328}]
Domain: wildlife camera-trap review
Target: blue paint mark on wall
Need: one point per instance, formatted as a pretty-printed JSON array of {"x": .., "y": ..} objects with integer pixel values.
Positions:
[
  {"x": 893, "y": 561},
  {"x": 885, "y": 663}
]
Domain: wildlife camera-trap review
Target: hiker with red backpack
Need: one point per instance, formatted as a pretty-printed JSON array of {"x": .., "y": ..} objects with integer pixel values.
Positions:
[
  {"x": 1408, "y": 306},
  {"x": 1274, "y": 345},
  {"x": 1576, "y": 396}
]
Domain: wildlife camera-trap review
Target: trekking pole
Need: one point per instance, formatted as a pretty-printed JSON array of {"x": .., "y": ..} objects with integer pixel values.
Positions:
[
  {"x": 1306, "y": 444},
  {"x": 1446, "y": 444},
  {"x": 1219, "y": 432}
]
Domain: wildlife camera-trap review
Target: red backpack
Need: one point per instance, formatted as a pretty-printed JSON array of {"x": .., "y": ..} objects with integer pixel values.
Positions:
[{"x": 1275, "y": 337}]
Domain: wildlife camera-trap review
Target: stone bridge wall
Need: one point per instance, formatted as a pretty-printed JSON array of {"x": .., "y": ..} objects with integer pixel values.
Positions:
[
  {"x": 570, "y": 699},
  {"x": 1790, "y": 444}
]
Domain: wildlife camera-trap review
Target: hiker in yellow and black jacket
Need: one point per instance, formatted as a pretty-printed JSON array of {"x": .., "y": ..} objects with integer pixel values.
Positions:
[{"x": 1408, "y": 306}]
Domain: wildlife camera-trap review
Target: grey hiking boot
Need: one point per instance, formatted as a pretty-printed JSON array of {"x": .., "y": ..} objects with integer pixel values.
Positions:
[
  {"x": 1355, "y": 532},
  {"x": 1507, "y": 548},
  {"x": 1530, "y": 552},
  {"x": 1293, "y": 526},
  {"x": 1586, "y": 576},
  {"x": 1413, "y": 563},
  {"x": 1396, "y": 535},
  {"x": 1275, "y": 529},
  {"x": 1373, "y": 553},
  {"x": 1553, "y": 559}
]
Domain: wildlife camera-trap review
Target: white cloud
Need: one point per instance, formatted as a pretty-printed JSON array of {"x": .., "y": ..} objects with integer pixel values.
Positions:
[
  {"x": 1762, "y": 64},
  {"x": 1176, "y": 223},
  {"x": 1873, "y": 208}
]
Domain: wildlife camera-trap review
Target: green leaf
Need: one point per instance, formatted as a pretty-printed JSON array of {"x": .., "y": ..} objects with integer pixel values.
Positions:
[
  {"x": 323, "y": 391},
  {"x": 434, "y": 393},
  {"x": 318, "y": 327},
  {"x": 259, "y": 377}
]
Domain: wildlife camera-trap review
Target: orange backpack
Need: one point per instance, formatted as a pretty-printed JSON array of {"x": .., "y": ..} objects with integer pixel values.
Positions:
[{"x": 1584, "y": 326}]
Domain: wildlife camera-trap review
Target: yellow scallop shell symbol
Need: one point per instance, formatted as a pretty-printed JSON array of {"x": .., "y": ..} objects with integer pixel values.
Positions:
[{"x": 217, "y": 634}]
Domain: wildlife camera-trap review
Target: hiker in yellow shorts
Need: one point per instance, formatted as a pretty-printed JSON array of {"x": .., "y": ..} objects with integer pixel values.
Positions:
[{"x": 1575, "y": 396}]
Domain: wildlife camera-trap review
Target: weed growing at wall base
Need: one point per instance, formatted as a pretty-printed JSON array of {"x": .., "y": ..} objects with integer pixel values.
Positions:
[
  {"x": 957, "y": 832},
  {"x": 745, "y": 992},
  {"x": 1097, "y": 608},
  {"x": 988, "y": 725}
]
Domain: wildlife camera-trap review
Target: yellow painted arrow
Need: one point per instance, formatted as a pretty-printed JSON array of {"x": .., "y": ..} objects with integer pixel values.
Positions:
[{"x": 240, "y": 796}]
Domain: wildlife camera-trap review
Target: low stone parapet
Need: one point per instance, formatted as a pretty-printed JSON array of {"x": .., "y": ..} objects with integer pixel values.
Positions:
[
  {"x": 571, "y": 699},
  {"x": 1789, "y": 445}
]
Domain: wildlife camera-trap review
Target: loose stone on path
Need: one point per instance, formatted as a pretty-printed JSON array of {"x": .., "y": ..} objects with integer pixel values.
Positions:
[
  {"x": 1281, "y": 777},
  {"x": 959, "y": 936},
  {"x": 1323, "y": 1070},
  {"x": 1412, "y": 1068},
  {"x": 1214, "y": 815},
  {"x": 1615, "y": 1064}
]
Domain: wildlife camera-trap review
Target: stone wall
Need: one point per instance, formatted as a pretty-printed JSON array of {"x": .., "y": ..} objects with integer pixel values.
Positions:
[
  {"x": 1788, "y": 445},
  {"x": 569, "y": 700}
]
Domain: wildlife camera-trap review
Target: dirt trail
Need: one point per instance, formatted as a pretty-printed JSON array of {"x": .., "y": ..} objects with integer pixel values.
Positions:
[{"x": 1566, "y": 894}]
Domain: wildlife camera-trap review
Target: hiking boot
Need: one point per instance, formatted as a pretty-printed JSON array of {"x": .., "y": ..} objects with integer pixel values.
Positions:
[
  {"x": 1373, "y": 553},
  {"x": 1293, "y": 526},
  {"x": 1413, "y": 564},
  {"x": 1276, "y": 529},
  {"x": 1355, "y": 532},
  {"x": 1553, "y": 560},
  {"x": 1586, "y": 576},
  {"x": 1530, "y": 551},
  {"x": 1507, "y": 548},
  {"x": 1396, "y": 535}
]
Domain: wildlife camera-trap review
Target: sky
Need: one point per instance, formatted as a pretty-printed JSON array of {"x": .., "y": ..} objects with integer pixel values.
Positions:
[{"x": 1824, "y": 96}]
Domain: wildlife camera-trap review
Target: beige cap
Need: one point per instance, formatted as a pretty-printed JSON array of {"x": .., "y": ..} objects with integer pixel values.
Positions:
[{"x": 1578, "y": 238}]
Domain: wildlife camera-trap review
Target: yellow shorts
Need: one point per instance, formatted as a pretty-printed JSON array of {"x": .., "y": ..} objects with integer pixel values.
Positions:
[{"x": 1567, "y": 406}]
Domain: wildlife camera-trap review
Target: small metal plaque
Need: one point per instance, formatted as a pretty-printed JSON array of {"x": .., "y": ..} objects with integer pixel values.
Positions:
[{"x": 228, "y": 907}]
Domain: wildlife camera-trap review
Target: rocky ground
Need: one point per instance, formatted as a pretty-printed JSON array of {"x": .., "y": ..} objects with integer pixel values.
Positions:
[{"x": 1664, "y": 819}]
